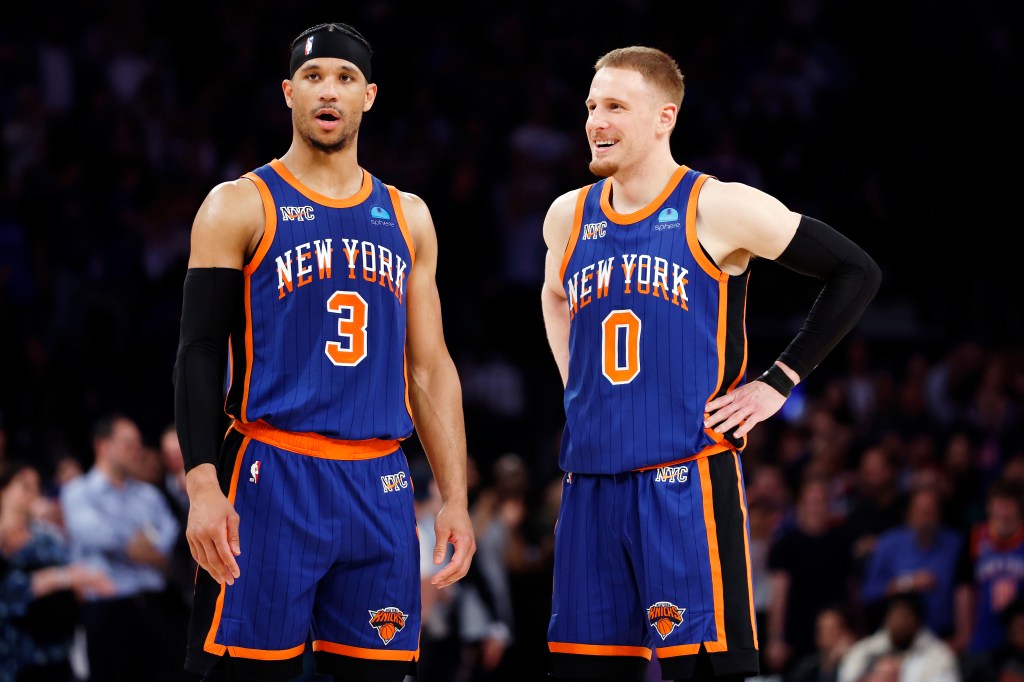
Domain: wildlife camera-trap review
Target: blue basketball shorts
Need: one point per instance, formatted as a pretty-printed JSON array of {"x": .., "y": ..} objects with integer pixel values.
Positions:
[
  {"x": 656, "y": 559},
  {"x": 330, "y": 559}
]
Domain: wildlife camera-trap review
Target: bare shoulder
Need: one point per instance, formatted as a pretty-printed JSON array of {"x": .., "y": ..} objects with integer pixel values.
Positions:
[
  {"x": 734, "y": 218},
  {"x": 558, "y": 220},
  {"x": 229, "y": 221},
  {"x": 417, "y": 216}
]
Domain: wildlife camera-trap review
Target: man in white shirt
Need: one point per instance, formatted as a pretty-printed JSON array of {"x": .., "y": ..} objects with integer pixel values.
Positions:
[{"x": 923, "y": 656}]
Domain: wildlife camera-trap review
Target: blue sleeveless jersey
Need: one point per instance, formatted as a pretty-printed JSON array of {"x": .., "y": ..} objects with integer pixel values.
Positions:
[
  {"x": 656, "y": 330},
  {"x": 998, "y": 569},
  {"x": 322, "y": 349}
]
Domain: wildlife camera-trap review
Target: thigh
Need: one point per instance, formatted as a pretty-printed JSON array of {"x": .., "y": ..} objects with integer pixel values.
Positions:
[
  {"x": 596, "y": 627},
  {"x": 262, "y": 621},
  {"x": 366, "y": 615},
  {"x": 694, "y": 565}
]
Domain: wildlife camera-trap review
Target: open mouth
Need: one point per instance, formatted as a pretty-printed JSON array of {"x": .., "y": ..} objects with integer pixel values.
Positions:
[{"x": 328, "y": 119}]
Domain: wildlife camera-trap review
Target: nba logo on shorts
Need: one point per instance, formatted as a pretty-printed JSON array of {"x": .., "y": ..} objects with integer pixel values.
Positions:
[
  {"x": 309, "y": 45},
  {"x": 254, "y": 472}
]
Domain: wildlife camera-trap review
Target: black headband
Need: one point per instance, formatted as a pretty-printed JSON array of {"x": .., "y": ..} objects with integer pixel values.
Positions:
[{"x": 328, "y": 43}]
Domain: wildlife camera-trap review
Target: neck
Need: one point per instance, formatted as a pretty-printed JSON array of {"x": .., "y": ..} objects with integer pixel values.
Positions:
[
  {"x": 333, "y": 174},
  {"x": 112, "y": 472},
  {"x": 635, "y": 187}
]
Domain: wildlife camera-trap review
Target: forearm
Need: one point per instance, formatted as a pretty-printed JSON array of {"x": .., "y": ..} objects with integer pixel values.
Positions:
[
  {"x": 49, "y": 580},
  {"x": 556, "y": 324},
  {"x": 211, "y": 301},
  {"x": 436, "y": 397},
  {"x": 851, "y": 278}
]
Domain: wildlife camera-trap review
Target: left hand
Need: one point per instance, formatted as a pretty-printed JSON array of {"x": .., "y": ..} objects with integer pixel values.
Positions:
[
  {"x": 743, "y": 408},
  {"x": 452, "y": 525}
]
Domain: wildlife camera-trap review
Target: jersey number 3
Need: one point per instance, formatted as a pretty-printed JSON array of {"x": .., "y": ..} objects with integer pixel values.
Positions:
[
  {"x": 351, "y": 328},
  {"x": 620, "y": 342}
]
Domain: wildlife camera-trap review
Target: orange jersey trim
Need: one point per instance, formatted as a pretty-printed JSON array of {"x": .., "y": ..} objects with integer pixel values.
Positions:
[
  {"x": 314, "y": 444},
  {"x": 574, "y": 235},
  {"x": 210, "y": 645},
  {"x": 269, "y": 231},
  {"x": 598, "y": 649},
  {"x": 714, "y": 556},
  {"x": 360, "y": 652},
  {"x": 357, "y": 198},
  {"x": 267, "y": 654},
  {"x": 746, "y": 546},
  {"x": 692, "y": 241},
  {"x": 269, "y": 227},
  {"x": 678, "y": 650},
  {"x": 403, "y": 224},
  {"x": 648, "y": 210},
  {"x": 708, "y": 450}
]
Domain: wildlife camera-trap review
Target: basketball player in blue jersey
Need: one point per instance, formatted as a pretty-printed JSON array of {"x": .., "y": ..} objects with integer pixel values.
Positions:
[
  {"x": 311, "y": 288},
  {"x": 643, "y": 303}
]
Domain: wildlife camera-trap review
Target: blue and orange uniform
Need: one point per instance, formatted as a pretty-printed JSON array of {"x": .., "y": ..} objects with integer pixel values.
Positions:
[
  {"x": 317, "y": 394},
  {"x": 994, "y": 568},
  {"x": 650, "y": 494}
]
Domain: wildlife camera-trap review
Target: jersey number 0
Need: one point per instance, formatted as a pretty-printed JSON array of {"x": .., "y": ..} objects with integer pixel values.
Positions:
[{"x": 620, "y": 342}]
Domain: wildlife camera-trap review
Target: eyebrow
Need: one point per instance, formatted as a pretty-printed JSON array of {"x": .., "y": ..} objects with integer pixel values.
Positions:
[{"x": 312, "y": 65}]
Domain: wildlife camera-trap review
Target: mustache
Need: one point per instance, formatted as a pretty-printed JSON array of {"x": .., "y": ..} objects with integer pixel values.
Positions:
[{"x": 322, "y": 109}]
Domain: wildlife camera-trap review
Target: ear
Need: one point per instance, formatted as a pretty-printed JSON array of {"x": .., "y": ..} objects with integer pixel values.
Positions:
[
  {"x": 667, "y": 116},
  {"x": 370, "y": 97},
  {"x": 286, "y": 88}
]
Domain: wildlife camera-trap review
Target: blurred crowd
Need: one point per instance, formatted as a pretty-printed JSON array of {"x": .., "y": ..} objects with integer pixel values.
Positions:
[{"x": 884, "y": 501}]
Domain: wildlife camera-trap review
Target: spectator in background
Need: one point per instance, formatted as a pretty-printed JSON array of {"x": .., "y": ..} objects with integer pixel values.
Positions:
[
  {"x": 884, "y": 669},
  {"x": 991, "y": 571},
  {"x": 181, "y": 567},
  {"x": 923, "y": 656},
  {"x": 38, "y": 585},
  {"x": 878, "y": 504},
  {"x": 920, "y": 556},
  {"x": 1006, "y": 663},
  {"x": 800, "y": 585},
  {"x": 833, "y": 636},
  {"x": 124, "y": 527}
]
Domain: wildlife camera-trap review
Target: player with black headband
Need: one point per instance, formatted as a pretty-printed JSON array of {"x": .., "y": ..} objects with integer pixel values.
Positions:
[
  {"x": 644, "y": 303},
  {"x": 311, "y": 286}
]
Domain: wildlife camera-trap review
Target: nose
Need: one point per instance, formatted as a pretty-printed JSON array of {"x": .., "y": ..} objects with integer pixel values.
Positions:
[
  {"x": 329, "y": 90},
  {"x": 597, "y": 122}
]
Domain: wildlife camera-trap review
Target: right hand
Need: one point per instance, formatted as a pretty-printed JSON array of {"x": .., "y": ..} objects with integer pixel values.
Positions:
[
  {"x": 212, "y": 531},
  {"x": 88, "y": 581}
]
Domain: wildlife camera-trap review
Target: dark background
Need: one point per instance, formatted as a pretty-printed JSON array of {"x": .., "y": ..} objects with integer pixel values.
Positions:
[{"x": 897, "y": 123}]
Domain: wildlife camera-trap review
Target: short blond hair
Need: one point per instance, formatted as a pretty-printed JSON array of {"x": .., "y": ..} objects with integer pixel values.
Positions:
[{"x": 656, "y": 66}]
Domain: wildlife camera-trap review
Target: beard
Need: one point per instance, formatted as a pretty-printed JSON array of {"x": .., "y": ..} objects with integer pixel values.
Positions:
[
  {"x": 346, "y": 134},
  {"x": 603, "y": 169}
]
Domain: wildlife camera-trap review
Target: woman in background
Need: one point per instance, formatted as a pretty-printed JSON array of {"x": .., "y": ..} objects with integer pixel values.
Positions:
[{"x": 38, "y": 585}]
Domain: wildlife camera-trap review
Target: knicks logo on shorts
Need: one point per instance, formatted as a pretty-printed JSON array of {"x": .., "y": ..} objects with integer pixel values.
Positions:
[
  {"x": 388, "y": 622},
  {"x": 664, "y": 617}
]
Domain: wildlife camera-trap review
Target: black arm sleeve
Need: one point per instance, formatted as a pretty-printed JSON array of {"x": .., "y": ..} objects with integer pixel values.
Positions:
[
  {"x": 210, "y": 305},
  {"x": 851, "y": 280}
]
